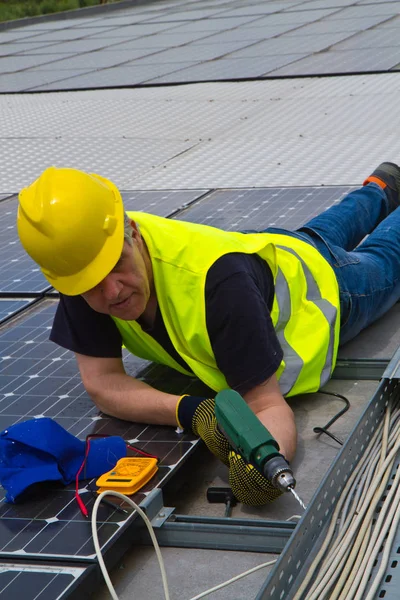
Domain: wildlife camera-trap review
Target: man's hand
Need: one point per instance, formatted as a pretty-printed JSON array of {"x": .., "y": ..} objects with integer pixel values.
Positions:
[
  {"x": 267, "y": 402},
  {"x": 198, "y": 414},
  {"x": 247, "y": 483}
]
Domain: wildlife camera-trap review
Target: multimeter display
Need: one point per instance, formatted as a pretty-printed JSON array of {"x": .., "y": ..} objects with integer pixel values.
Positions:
[{"x": 128, "y": 476}]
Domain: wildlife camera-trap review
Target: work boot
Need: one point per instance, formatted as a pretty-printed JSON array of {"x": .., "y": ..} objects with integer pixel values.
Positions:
[{"x": 387, "y": 176}]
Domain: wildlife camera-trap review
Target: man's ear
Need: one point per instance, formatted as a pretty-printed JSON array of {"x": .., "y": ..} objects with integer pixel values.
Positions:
[{"x": 135, "y": 231}]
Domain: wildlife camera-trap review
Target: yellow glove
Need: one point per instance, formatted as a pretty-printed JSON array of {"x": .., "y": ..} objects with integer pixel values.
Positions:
[
  {"x": 247, "y": 483},
  {"x": 198, "y": 414}
]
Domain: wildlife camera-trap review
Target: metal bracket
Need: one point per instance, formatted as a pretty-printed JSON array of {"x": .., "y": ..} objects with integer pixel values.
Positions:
[
  {"x": 154, "y": 508},
  {"x": 162, "y": 517}
]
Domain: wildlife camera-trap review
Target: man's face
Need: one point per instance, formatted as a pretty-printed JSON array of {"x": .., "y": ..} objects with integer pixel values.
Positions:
[{"x": 125, "y": 292}]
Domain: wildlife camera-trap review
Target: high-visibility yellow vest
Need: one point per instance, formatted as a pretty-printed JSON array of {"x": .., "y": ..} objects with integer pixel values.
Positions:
[{"x": 305, "y": 310}]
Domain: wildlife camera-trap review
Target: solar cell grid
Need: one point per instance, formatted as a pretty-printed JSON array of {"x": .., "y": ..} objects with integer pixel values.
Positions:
[
  {"x": 12, "y": 306},
  {"x": 168, "y": 27},
  {"x": 32, "y": 581},
  {"x": 161, "y": 203},
  {"x": 345, "y": 61},
  {"x": 39, "y": 379},
  {"x": 237, "y": 210},
  {"x": 18, "y": 273}
]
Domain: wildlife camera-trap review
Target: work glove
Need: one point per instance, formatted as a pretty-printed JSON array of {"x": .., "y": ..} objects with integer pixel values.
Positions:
[
  {"x": 247, "y": 483},
  {"x": 198, "y": 414}
]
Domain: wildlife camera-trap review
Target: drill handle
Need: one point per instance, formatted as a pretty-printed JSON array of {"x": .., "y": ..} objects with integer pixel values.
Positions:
[{"x": 243, "y": 429}]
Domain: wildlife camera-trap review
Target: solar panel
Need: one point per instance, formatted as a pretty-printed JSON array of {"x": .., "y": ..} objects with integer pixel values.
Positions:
[
  {"x": 40, "y": 379},
  {"x": 161, "y": 203},
  {"x": 41, "y": 581},
  {"x": 257, "y": 209},
  {"x": 10, "y": 307},
  {"x": 18, "y": 273}
]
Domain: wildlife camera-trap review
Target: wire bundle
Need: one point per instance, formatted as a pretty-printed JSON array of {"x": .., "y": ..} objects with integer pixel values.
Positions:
[{"x": 343, "y": 566}]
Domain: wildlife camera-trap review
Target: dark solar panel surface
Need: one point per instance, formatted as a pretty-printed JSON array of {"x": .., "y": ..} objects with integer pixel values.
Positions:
[
  {"x": 12, "y": 306},
  {"x": 189, "y": 42},
  {"x": 33, "y": 581},
  {"x": 39, "y": 379},
  {"x": 242, "y": 209},
  {"x": 18, "y": 273},
  {"x": 161, "y": 203}
]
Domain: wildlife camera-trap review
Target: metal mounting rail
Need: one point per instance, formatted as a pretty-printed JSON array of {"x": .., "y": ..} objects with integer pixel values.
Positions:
[
  {"x": 224, "y": 533},
  {"x": 360, "y": 368}
]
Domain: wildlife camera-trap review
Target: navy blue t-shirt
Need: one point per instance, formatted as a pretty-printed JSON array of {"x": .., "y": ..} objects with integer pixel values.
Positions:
[{"x": 239, "y": 294}]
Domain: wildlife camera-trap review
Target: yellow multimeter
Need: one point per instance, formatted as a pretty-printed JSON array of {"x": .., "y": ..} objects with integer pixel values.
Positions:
[{"x": 128, "y": 475}]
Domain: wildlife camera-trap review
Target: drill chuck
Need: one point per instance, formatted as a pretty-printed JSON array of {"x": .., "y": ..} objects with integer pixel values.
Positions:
[{"x": 279, "y": 473}]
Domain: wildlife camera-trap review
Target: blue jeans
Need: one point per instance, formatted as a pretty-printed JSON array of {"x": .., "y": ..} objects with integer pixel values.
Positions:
[{"x": 367, "y": 270}]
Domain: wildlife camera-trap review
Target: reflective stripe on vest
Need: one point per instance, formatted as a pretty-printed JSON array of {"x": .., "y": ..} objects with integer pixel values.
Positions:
[{"x": 293, "y": 361}]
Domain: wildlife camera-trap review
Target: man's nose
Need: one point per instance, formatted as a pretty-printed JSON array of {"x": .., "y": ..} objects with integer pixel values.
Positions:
[{"x": 110, "y": 288}]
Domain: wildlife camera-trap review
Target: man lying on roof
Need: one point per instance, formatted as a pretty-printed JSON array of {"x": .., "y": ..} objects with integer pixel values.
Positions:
[{"x": 261, "y": 313}]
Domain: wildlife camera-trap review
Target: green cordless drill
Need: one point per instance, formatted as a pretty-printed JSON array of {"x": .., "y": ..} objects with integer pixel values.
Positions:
[{"x": 248, "y": 436}]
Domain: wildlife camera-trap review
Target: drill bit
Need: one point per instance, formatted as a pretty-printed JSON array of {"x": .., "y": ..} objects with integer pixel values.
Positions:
[{"x": 299, "y": 500}]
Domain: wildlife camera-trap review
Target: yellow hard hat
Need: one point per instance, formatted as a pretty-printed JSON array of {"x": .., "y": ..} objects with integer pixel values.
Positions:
[{"x": 72, "y": 224}]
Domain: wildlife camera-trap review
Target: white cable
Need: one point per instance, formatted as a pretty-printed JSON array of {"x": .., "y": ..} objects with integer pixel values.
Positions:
[
  {"x": 360, "y": 539},
  {"x": 156, "y": 548},
  {"x": 345, "y": 562},
  {"x": 385, "y": 557},
  {"x": 151, "y": 532},
  {"x": 332, "y": 527},
  {"x": 366, "y": 513},
  {"x": 367, "y": 459},
  {"x": 347, "y": 577},
  {"x": 384, "y": 523},
  {"x": 222, "y": 585}
]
